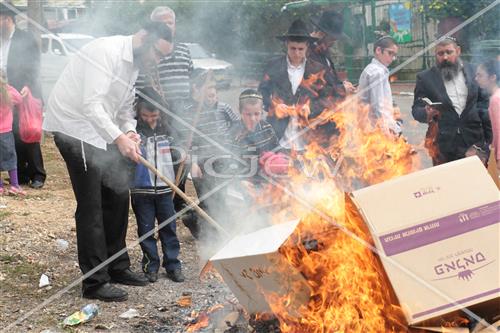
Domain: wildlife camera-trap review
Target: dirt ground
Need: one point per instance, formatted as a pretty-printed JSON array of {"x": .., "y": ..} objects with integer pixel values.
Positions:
[{"x": 30, "y": 228}]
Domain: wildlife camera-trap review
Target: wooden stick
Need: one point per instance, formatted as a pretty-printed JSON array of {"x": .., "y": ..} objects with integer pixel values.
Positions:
[
  {"x": 180, "y": 170},
  {"x": 183, "y": 196}
]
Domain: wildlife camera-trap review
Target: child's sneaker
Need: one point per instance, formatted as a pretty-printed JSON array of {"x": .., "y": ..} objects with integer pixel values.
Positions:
[
  {"x": 17, "y": 191},
  {"x": 2, "y": 191}
]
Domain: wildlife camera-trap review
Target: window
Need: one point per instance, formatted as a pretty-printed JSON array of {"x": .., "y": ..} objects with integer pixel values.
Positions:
[
  {"x": 75, "y": 44},
  {"x": 57, "y": 47}
]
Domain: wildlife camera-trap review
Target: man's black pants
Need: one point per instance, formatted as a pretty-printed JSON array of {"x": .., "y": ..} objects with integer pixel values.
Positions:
[
  {"x": 459, "y": 149},
  {"x": 100, "y": 184}
]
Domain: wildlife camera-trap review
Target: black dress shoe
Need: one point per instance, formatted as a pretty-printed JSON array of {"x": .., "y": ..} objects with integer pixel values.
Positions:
[
  {"x": 151, "y": 276},
  {"x": 129, "y": 278},
  {"x": 176, "y": 275},
  {"x": 36, "y": 184},
  {"x": 106, "y": 293}
]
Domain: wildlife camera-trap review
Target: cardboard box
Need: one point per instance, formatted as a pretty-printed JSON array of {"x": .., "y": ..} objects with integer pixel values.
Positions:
[
  {"x": 245, "y": 265},
  {"x": 437, "y": 232}
]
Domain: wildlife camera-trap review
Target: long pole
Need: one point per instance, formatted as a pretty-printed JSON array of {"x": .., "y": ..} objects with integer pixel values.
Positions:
[
  {"x": 189, "y": 141},
  {"x": 183, "y": 196}
]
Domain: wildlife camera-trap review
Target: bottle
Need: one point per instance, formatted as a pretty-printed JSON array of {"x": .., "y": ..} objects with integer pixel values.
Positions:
[{"x": 85, "y": 314}]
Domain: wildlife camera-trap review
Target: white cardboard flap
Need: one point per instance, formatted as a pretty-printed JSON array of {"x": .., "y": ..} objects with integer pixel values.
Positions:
[
  {"x": 263, "y": 241},
  {"x": 247, "y": 265}
]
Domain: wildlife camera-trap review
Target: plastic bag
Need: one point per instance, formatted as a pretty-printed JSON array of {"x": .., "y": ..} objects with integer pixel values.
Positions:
[
  {"x": 30, "y": 119},
  {"x": 274, "y": 163}
]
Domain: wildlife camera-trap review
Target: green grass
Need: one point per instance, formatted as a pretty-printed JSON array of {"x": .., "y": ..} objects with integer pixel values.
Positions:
[
  {"x": 4, "y": 214},
  {"x": 21, "y": 276}
]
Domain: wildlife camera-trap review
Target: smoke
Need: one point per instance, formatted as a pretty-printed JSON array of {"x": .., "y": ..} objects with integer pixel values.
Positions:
[{"x": 241, "y": 31}]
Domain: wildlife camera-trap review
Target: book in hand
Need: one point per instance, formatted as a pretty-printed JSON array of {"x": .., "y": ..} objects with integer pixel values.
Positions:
[{"x": 430, "y": 103}]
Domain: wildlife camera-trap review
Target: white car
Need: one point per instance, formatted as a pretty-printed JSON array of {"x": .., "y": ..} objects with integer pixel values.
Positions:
[
  {"x": 223, "y": 70},
  {"x": 56, "y": 50}
]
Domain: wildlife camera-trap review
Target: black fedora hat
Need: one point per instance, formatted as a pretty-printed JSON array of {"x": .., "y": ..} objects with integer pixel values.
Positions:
[
  {"x": 297, "y": 29},
  {"x": 331, "y": 23},
  {"x": 7, "y": 10}
]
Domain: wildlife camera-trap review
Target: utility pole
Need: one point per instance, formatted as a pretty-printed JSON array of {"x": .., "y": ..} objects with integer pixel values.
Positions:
[{"x": 35, "y": 13}]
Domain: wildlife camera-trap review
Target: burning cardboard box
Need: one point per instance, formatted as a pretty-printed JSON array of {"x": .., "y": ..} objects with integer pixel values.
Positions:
[
  {"x": 437, "y": 232},
  {"x": 245, "y": 265}
]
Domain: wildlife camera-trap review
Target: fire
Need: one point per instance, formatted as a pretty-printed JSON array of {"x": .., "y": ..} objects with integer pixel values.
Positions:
[
  {"x": 332, "y": 247},
  {"x": 300, "y": 111},
  {"x": 202, "y": 319},
  {"x": 372, "y": 155},
  {"x": 315, "y": 80},
  {"x": 349, "y": 290}
]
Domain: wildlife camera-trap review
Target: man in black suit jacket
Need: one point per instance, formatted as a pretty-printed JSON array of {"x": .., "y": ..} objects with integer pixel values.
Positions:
[
  {"x": 328, "y": 29},
  {"x": 22, "y": 70},
  {"x": 457, "y": 125},
  {"x": 292, "y": 81}
]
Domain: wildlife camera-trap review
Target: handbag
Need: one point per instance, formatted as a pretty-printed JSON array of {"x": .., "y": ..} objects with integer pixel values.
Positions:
[{"x": 30, "y": 119}]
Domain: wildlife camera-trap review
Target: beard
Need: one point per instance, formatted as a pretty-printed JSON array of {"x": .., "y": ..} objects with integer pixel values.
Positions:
[{"x": 449, "y": 70}]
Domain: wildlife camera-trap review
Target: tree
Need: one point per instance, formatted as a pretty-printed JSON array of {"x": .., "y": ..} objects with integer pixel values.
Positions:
[
  {"x": 223, "y": 27},
  {"x": 485, "y": 27}
]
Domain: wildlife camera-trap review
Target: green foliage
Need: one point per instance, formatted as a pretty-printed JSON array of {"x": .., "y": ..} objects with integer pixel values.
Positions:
[
  {"x": 486, "y": 26},
  {"x": 439, "y": 9}
]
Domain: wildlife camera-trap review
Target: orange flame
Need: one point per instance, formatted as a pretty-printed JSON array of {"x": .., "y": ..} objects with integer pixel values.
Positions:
[
  {"x": 202, "y": 320},
  {"x": 314, "y": 82},
  {"x": 349, "y": 289},
  {"x": 299, "y": 111},
  {"x": 350, "y": 292}
]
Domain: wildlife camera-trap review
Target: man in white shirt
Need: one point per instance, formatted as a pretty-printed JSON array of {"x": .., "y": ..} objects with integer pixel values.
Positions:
[
  {"x": 375, "y": 89},
  {"x": 90, "y": 112}
]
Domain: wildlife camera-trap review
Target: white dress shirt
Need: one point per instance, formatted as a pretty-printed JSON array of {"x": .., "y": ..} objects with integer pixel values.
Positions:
[
  {"x": 291, "y": 139},
  {"x": 295, "y": 74},
  {"x": 4, "y": 52},
  {"x": 93, "y": 99},
  {"x": 457, "y": 90},
  {"x": 375, "y": 90}
]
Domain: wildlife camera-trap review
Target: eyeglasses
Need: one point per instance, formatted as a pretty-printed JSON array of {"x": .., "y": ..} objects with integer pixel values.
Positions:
[
  {"x": 447, "y": 52},
  {"x": 391, "y": 53}
]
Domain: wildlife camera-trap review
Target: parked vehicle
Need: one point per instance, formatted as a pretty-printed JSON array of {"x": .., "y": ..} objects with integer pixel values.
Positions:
[
  {"x": 56, "y": 50},
  {"x": 202, "y": 60}
]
